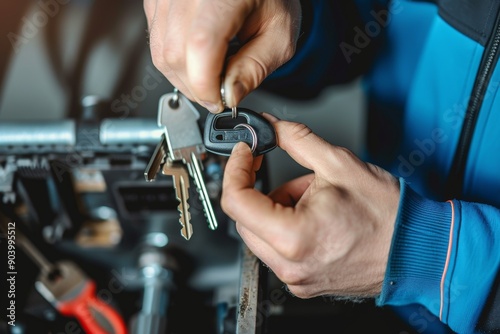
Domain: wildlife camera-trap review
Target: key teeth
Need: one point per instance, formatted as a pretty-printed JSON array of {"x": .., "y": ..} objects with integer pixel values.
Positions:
[
  {"x": 200, "y": 196},
  {"x": 179, "y": 208},
  {"x": 190, "y": 232},
  {"x": 182, "y": 218},
  {"x": 185, "y": 222},
  {"x": 203, "y": 199}
]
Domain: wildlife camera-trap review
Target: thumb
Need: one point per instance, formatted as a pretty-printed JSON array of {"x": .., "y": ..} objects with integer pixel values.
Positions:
[
  {"x": 269, "y": 37},
  {"x": 252, "y": 64},
  {"x": 240, "y": 199},
  {"x": 304, "y": 146}
]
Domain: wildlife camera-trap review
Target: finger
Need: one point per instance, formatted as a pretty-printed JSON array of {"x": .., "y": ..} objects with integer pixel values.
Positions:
[
  {"x": 253, "y": 63},
  {"x": 176, "y": 81},
  {"x": 214, "y": 25},
  {"x": 266, "y": 253},
  {"x": 239, "y": 175},
  {"x": 282, "y": 267},
  {"x": 290, "y": 193},
  {"x": 305, "y": 147},
  {"x": 149, "y": 10},
  {"x": 245, "y": 204},
  {"x": 265, "y": 49},
  {"x": 257, "y": 162},
  {"x": 167, "y": 41}
]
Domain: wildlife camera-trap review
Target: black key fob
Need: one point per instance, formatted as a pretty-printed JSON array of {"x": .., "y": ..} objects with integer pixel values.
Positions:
[{"x": 222, "y": 132}]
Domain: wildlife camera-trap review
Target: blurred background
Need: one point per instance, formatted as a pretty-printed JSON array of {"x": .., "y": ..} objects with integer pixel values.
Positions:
[
  {"x": 57, "y": 56},
  {"x": 62, "y": 51}
]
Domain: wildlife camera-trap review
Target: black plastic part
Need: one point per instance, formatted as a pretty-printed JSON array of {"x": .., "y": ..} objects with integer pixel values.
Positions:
[{"x": 220, "y": 136}]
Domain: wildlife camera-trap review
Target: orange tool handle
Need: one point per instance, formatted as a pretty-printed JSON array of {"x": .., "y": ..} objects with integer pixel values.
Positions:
[{"x": 95, "y": 316}]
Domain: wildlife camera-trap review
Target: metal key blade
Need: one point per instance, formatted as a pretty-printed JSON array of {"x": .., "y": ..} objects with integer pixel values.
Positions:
[
  {"x": 156, "y": 160},
  {"x": 185, "y": 143},
  {"x": 180, "y": 124},
  {"x": 202, "y": 191},
  {"x": 180, "y": 177}
]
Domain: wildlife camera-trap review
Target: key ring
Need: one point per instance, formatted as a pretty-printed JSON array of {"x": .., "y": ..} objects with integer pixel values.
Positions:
[
  {"x": 223, "y": 93},
  {"x": 252, "y": 132},
  {"x": 174, "y": 102},
  {"x": 234, "y": 110}
]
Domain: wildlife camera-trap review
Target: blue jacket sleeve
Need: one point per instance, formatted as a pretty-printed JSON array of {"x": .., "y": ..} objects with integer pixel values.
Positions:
[
  {"x": 335, "y": 46},
  {"x": 444, "y": 256}
]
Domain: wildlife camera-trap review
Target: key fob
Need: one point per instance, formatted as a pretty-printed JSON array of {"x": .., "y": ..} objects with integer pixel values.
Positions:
[{"x": 222, "y": 132}]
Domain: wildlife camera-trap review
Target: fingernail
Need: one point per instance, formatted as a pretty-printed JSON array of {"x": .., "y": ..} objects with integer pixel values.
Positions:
[
  {"x": 212, "y": 107},
  {"x": 241, "y": 146},
  {"x": 271, "y": 118},
  {"x": 239, "y": 91}
]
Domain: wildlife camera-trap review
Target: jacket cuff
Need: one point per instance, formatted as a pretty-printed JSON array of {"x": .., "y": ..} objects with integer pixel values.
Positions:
[{"x": 418, "y": 252}]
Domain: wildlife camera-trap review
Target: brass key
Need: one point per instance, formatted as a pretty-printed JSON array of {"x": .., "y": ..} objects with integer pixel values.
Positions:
[
  {"x": 185, "y": 143},
  {"x": 180, "y": 177}
]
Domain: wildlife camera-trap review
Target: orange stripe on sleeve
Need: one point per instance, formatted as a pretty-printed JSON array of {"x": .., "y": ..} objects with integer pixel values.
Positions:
[{"x": 450, "y": 244}]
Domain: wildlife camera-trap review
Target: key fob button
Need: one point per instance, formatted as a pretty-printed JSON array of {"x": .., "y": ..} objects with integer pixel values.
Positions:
[{"x": 222, "y": 133}]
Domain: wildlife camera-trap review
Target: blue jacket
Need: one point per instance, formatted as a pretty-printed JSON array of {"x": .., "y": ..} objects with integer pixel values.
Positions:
[{"x": 431, "y": 75}]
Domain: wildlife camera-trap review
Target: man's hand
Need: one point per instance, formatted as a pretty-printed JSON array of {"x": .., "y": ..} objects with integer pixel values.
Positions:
[
  {"x": 189, "y": 41},
  {"x": 325, "y": 233}
]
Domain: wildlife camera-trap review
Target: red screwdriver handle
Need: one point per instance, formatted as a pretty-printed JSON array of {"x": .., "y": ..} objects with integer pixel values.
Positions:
[{"x": 95, "y": 316}]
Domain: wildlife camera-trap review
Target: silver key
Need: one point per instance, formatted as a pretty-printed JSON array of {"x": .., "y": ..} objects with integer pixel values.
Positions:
[
  {"x": 180, "y": 124},
  {"x": 202, "y": 191},
  {"x": 185, "y": 143},
  {"x": 156, "y": 160},
  {"x": 181, "y": 184},
  {"x": 180, "y": 178}
]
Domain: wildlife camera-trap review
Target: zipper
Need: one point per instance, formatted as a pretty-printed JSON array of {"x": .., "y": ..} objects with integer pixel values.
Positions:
[{"x": 489, "y": 60}]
